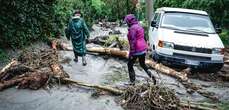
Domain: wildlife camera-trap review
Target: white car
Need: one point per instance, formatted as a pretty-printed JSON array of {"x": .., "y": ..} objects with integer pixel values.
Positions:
[{"x": 186, "y": 37}]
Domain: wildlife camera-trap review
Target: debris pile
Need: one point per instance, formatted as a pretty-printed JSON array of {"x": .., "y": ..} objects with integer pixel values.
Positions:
[
  {"x": 224, "y": 73},
  {"x": 32, "y": 70},
  {"x": 149, "y": 97}
]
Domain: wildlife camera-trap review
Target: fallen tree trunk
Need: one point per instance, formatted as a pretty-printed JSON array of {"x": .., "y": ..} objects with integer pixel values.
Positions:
[
  {"x": 105, "y": 88},
  {"x": 7, "y": 84},
  {"x": 197, "y": 106},
  {"x": 227, "y": 61},
  {"x": 109, "y": 51},
  {"x": 13, "y": 62},
  {"x": 181, "y": 76},
  {"x": 166, "y": 70},
  {"x": 115, "y": 91},
  {"x": 124, "y": 54}
]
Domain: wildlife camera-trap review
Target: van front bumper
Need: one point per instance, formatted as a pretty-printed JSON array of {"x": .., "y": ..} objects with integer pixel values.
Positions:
[{"x": 198, "y": 62}]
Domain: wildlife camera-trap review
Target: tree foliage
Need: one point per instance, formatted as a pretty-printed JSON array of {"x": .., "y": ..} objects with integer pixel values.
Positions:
[
  {"x": 217, "y": 9},
  {"x": 24, "y": 21}
]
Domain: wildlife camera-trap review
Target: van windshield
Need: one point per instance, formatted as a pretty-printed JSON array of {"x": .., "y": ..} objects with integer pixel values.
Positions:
[{"x": 188, "y": 22}]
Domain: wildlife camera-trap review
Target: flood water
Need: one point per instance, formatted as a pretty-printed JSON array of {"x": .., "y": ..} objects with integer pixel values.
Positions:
[{"x": 102, "y": 70}]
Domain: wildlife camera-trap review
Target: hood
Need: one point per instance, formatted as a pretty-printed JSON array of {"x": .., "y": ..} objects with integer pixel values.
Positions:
[
  {"x": 131, "y": 20},
  {"x": 76, "y": 18},
  {"x": 189, "y": 39}
]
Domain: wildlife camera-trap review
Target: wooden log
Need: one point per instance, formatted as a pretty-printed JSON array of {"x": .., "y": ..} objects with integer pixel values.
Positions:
[
  {"x": 206, "y": 104},
  {"x": 227, "y": 61},
  {"x": 182, "y": 76},
  {"x": 10, "y": 83},
  {"x": 166, "y": 70},
  {"x": 207, "y": 94},
  {"x": 124, "y": 54},
  {"x": 196, "y": 106},
  {"x": 105, "y": 88},
  {"x": 224, "y": 76},
  {"x": 109, "y": 51},
  {"x": 13, "y": 62}
]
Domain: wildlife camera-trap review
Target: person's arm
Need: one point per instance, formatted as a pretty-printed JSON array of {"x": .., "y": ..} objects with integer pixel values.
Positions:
[
  {"x": 133, "y": 40},
  {"x": 86, "y": 31},
  {"x": 68, "y": 30}
]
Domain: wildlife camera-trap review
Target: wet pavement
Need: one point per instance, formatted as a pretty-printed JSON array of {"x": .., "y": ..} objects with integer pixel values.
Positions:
[{"x": 102, "y": 70}]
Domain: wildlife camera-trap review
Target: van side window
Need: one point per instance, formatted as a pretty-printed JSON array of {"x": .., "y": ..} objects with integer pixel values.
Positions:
[
  {"x": 158, "y": 19},
  {"x": 155, "y": 17}
]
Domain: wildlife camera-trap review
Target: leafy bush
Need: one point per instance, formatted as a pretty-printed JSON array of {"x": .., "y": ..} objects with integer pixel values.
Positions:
[
  {"x": 225, "y": 37},
  {"x": 3, "y": 56},
  {"x": 22, "y": 21},
  {"x": 217, "y": 9}
]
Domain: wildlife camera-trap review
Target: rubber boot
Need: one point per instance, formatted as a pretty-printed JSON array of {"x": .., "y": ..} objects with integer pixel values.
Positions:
[
  {"x": 152, "y": 77},
  {"x": 84, "y": 61},
  {"x": 129, "y": 83},
  {"x": 132, "y": 78},
  {"x": 76, "y": 59}
]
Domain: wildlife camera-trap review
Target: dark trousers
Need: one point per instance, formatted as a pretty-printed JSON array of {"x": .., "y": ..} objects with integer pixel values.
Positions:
[
  {"x": 131, "y": 62},
  {"x": 76, "y": 54}
]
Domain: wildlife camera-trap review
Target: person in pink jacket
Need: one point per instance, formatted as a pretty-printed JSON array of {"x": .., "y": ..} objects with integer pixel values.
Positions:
[{"x": 138, "y": 47}]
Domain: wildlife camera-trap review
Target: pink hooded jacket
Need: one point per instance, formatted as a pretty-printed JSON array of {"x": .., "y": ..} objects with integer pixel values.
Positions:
[{"x": 135, "y": 36}]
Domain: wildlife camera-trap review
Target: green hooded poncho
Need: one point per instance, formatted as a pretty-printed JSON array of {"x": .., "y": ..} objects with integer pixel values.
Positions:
[{"x": 78, "y": 32}]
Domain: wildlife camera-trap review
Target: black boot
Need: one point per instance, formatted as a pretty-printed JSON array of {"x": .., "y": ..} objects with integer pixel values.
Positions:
[
  {"x": 84, "y": 61},
  {"x": 132, "y": 76},
  {"x": 151, "y": 76},
  {"x": 76, "y": 59},
  {"x": 130, "y": 83}
]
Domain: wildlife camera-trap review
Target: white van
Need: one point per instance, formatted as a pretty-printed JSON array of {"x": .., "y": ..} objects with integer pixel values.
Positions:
[{"x": 186, "y": 37}]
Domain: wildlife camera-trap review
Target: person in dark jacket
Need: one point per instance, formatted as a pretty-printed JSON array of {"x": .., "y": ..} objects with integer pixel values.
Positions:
[
  {"x": 78, "y": 32},
  {"x": 138, "y": 47}
]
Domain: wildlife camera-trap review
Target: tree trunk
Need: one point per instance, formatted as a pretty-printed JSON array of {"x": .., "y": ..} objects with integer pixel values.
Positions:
[
  {"x": 13, "y": 62},
  {"x": 149, "y": 11},
  {"x": 105, "y": 88},
  {"x": 7, "y": 84},
  {"x": 124, "y": 54},
  {"x": 197, "y": 106}
]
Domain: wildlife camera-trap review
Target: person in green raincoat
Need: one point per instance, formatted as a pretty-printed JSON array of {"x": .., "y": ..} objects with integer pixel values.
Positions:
[{"x": 78, "y": 32}]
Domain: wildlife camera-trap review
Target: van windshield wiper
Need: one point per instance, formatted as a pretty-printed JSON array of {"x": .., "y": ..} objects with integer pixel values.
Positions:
[
  {"x": 197, "y": 30},
  {"x": 173, "y": 27}
]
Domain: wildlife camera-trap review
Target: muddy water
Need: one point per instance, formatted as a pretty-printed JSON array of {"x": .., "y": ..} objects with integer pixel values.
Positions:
[
  {"x": 113, "y": 71},
  {"x": 100, "y": 70},
  {"x": 55, "y": 99}
]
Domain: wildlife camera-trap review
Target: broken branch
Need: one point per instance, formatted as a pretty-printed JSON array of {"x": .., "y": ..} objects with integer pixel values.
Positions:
[{"x": 105, "y": 88}]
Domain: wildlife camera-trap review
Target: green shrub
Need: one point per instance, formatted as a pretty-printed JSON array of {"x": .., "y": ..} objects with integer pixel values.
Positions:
[
  {"x": 22, "y": 21},
  {"x": 225, "y": 37},
  {"x": 217, "y": 9},
  {"x": 3, "y": 56}
]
